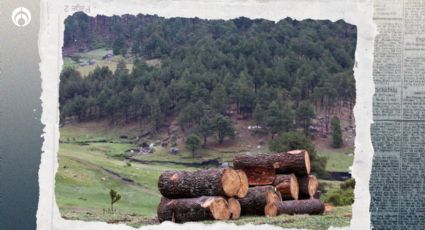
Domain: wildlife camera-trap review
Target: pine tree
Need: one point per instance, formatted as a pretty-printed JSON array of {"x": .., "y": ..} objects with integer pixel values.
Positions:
[
  {"x": 206, "y": 129},
  {"x": 193, "y": 143},
  {"x": 224, "y": 128},
  {"x": 219, "y": 99},
  {"x": 304, "y": 114},
  {"x": 336, "y": 133}
]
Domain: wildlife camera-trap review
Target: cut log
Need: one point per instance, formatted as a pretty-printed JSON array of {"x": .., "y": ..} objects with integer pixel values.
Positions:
[
  {"x": 310, "y": 206},
  {"x": 195, "y": 209},
  {"x": 295, "y": 161},
  {"x": 287, "y": 185},
  {"x": 235, "y": 208},
  {"x": 308, "y": 186},
  {"x": 164, "y": 210},
  {"x": 252, "y": 161},
  {"x": 260, "y": 176},
  {"x": 256, "y": 199},
  {"x": 261, "y": 169},
  {"x": 243, "y": 189},
  {"x": 208, "y": 182},
  {"x": 258, "y": 169}
]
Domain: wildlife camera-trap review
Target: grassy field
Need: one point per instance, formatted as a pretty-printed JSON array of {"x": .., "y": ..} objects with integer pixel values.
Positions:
[
  {"x": 97, "y": 55},
  {"x": 91, "y": 163},
  {"x": 338, "y": 161},
  {"x": 337, "y": 217}
]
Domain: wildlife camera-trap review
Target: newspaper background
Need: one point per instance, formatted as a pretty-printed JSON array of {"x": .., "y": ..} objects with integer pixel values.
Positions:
[
  {"x": 397, "y": 180},
  {"x": 358, "y": 13}
]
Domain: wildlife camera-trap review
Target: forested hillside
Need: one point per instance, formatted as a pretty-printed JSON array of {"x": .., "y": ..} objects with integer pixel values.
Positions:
[
  {"x": 276, "y": 73},
  {"x": 140, "y": 95}
]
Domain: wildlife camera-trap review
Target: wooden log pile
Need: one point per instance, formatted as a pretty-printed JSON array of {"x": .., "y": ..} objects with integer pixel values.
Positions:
[
  {"x": 262, "y": 184},
  {"x": 288, "y": 174},
  {"x": 210, "y": 194}
]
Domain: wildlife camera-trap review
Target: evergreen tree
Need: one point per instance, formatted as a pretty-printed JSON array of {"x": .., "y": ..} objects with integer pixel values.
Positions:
[
  {"x": 192, "y": 65},
  {"x": 259, "y": 115},
  {"x": 219, "y": 99},
  {"x": 206, "y": 129},
  {"x": 193, "y": 143},
  {"x": 156, "y": 115},
  {"x": 224, "y": 128},
  {"x": 336, "y": 133},
  {"x": 304, "y": 114},
  {"x": 119, "y": 46},
  {"x": 278, "y": 118}
]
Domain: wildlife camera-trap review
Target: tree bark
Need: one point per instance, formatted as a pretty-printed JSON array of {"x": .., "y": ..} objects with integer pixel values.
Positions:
[
  {"x": 194, "y": 209},
  {"x": 287, "y": 185},
  {"x": 164, "y": 211},
  {"x": 252, "y": 161},
  {"x": 257, "y": 198},
  {"x": 261, "y": 168},
  {"x": 295, "y": 161},
  {"x": 308, "y": 186},
  {"x": 257, "y": 168},
  {"x": 208, "y": 182},
  {"x": 310, "y": 206}
]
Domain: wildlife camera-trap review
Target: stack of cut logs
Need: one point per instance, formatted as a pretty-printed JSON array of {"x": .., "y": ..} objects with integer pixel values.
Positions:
[
  {"x": 288, "y": 174},
  {"x": 210, "y": 194},
  {"x": 263, "y": 184}
]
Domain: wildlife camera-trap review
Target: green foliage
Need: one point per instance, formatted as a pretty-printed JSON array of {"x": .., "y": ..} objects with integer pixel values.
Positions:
[
  {"x": 259, "y": 114},
  {"x": 348, "y": 184},
  {"x": 257, "y": 68},
  {"x": 295, "y": 140},
  {"x": 278, "y": 118},
  {"x": 336, "y": 133},
  {"x": 224, "y": 128},
  {"x": 119, "y": 46},
  {"x": 115, "y": 197},
  {"x": 206, "y": 129},
  {"x": 193, "y": 143},
  {"x": 156, "y": 115},
  {"x": 304, "y": 114},
  {"x": 343, "y": 196},
  {"x": 219, "y": 100}
]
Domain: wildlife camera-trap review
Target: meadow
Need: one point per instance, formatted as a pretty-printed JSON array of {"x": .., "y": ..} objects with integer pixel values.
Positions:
[{"x": 92, "y": 161}]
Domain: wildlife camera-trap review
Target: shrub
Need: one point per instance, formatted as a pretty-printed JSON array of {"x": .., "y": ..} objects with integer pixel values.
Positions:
[
  {"x": 296, "y": 140},
  {"x": 344, "y": 195},
  {"x": 336, "y": 133},
  {"x": 341, "y": 197}
]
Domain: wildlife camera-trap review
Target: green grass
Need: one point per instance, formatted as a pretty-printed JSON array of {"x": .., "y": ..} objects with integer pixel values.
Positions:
[
  {"x": 162, "y": 154},
  {"x": 83, "y": 184},
  {"x": 112, "y": 65},
  {"x": 338, "y": 161},
  {"x": 98, "y": 55},
  {"x": 338, "y": 217}
]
